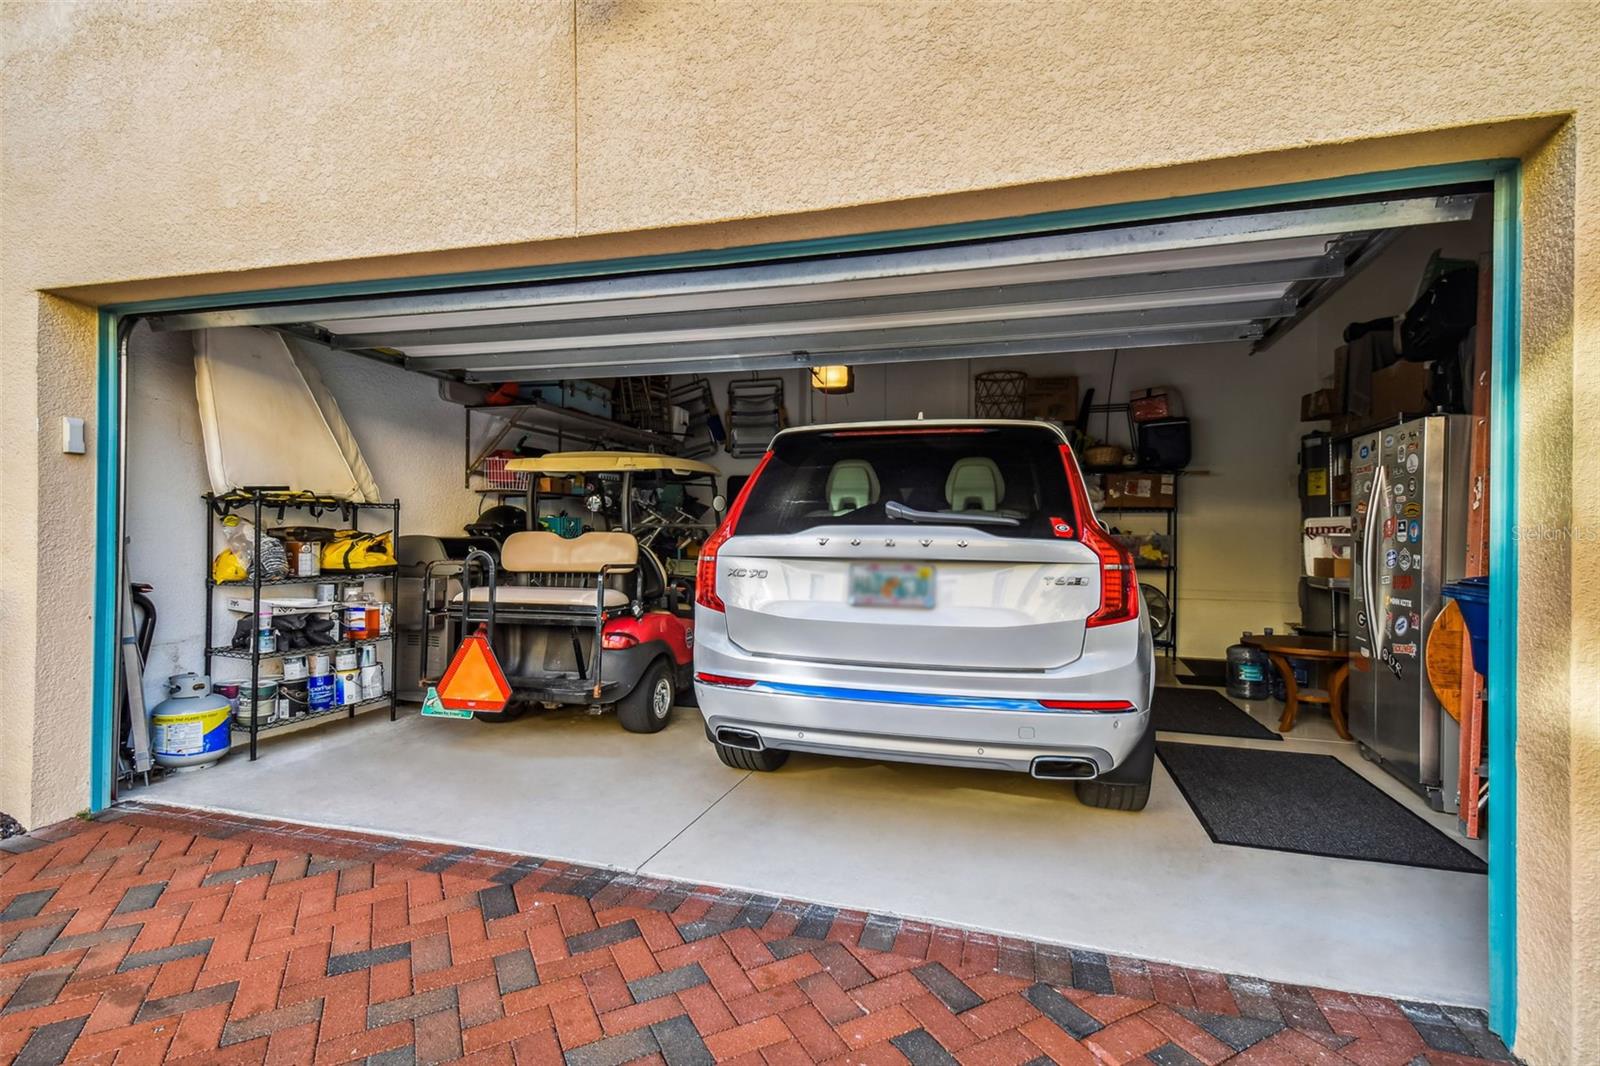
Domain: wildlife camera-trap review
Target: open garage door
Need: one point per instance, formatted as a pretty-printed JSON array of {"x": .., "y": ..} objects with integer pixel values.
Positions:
[{"x": 1241, "y": 277}]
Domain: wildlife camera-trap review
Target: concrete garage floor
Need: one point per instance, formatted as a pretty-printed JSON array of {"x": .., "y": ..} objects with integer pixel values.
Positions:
[{"x": 984, "y": 850}]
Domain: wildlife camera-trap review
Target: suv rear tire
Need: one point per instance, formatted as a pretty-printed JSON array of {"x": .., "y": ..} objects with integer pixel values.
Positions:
[
  {"x": 1112, "y": 797},
  {"x": 648, "y": 708},
  {"x": 766, "y": 760},
  {"x": 1126, "y": 787}
]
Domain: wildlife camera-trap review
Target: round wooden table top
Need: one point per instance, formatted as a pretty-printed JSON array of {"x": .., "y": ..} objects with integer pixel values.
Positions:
[{"x": 1300, "y": 647}]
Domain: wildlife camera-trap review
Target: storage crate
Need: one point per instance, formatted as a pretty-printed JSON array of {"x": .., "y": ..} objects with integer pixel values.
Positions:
[{"x": 496, "y": 476}]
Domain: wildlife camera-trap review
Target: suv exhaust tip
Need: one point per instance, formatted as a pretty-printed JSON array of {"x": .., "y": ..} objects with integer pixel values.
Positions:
[
  {"x": 1063, "y": 768},
  {"x": 739, "y": 738}
]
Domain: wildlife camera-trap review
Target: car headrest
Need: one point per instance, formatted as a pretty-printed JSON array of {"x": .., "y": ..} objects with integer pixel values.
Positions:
[
  {"x": 537, "y": 551},
  {"x": 974, "y": 484},
  {"x": 852, "y": 483}
]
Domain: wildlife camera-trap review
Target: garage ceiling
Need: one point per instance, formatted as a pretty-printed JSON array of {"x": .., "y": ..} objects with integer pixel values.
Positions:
[{"x": 1243, "y": 277}]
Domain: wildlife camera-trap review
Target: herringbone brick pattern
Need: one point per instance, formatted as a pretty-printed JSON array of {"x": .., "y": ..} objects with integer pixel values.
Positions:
[{"x": 161, "y": 935}]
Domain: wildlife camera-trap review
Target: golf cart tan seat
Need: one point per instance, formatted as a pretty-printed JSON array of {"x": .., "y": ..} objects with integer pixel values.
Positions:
[{"x": 567, "y": 571}]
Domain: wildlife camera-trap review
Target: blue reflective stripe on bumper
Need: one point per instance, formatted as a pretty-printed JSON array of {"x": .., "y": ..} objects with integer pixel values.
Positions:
[{"x": 926, "y": 699}]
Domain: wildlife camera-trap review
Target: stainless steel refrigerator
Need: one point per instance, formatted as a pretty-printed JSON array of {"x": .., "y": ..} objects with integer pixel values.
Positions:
[{"x": 1409, "y": 485}]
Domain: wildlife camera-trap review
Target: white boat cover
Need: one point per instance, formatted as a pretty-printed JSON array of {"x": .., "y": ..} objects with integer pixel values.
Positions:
[{"x": 268, "y": 418}]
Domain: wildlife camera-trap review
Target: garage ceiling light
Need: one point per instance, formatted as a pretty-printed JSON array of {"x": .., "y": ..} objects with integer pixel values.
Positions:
[
  {"x": 1234, "y": 277},
  {"x": 833, "y": 380}
]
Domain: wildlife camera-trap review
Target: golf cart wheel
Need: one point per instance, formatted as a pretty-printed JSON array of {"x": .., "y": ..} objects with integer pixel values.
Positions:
[
  {"x": 765, "y": 760},
  {"x": 512, "y": 712},
  {"x": 649, "y": 706}
]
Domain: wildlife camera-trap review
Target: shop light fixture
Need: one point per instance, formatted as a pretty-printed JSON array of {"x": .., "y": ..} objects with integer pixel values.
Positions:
[{"x": 833, "y": 380}]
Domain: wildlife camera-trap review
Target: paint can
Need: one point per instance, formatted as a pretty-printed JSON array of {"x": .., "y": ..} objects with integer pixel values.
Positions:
[
  {"x": 260, "y": 706},
  {"x": 355, "y": 622},
  {"x": 321, "y": 692},
  {"x": 293, "y": 699},
  {"x": 371, "y": 682},
  {"x": 369, "y": 655},
  {"x": 294, "y": 667},
  {"x": 349, "y": 686},
  {"x": 326, "y": 591},
  {"x": 346, "y": 659},
  {"x": 385, "y": 618},
  {"x": 321, "y": 664}
]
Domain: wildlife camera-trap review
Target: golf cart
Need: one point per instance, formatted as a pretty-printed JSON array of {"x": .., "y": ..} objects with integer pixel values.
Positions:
[{"x": 594, "y": 619}]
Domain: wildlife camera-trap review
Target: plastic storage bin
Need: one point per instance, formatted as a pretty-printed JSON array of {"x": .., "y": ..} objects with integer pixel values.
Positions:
[{"x": 1472, "y": 596}]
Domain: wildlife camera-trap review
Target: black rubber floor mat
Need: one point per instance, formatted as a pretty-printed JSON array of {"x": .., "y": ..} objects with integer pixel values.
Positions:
[
  {"x": 1213, "y": 672},
  {"x": 1311, "y": 804},
  {"x": 1199, "y": 710}
]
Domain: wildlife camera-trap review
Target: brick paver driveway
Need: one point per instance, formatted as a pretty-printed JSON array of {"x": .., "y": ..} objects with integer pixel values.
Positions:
[{"x": 154, "y": 934}]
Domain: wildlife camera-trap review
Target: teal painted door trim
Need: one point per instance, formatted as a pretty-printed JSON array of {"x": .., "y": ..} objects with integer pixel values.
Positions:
[
  {"x": 1505, "y": 174},
  {"x": 1502, "y": 682},
  {"x": 985, "y": 229},
  {"x": 108, "y": 561}
]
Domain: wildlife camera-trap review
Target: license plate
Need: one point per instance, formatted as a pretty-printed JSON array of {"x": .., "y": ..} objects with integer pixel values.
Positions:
[{"x": 891, "y": 585}]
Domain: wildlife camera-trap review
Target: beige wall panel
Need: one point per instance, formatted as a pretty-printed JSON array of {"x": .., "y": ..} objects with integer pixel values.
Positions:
[
  {"x": 175, "y": 138},
  {"x": 697, "y": 111}
]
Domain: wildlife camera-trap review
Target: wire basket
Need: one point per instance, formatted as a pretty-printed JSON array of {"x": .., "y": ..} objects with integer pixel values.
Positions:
[
  {"x": 496, "y": 476},
  {"x": 999, "y": 393}
]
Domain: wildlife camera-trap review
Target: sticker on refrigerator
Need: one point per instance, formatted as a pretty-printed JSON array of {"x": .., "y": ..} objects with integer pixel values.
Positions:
[
  {"x": 1405, "y": 559},
  {"x": 1388, "y": 441},
  {"x": 1402, "y": 582},
  {"x": 1415, "y": 529},
  {"x": 1401, "y": 624},
  {"x": 1388, "y": 527},
  {"x": 1392, "y": 556},
  {"x": 1408, "y": 650},
  {"x": 1411, "y": 463},
  {"x": 1400, "y": 533},
  {"x": 1412, "y": 510},
  {"x": 1365, "y": 451}
]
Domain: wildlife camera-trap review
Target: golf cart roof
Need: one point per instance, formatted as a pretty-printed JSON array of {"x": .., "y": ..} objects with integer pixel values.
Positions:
[{"x": 609, "y": 462}]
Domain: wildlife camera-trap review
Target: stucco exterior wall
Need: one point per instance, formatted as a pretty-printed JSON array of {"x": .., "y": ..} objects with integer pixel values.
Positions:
[{"x": 160, "y": 148}]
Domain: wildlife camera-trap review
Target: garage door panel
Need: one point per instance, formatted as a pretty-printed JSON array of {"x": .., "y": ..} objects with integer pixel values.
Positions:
[{"x": 1141, "y": 284}]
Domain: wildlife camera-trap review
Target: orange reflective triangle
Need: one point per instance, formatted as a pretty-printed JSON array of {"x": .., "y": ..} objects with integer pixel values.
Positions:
[{"x": 474, "y": 681}]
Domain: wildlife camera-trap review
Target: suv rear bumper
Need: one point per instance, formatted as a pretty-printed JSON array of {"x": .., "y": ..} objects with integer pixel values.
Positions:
[{"x": 952, "y": 718}]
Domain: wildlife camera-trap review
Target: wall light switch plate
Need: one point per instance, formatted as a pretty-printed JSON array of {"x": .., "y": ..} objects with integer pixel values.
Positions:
[{"x": 72, "y": 436}]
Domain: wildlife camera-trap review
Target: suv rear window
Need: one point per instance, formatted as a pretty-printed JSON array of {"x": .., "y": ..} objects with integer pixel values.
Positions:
[{"x": 1007, "y": 480}]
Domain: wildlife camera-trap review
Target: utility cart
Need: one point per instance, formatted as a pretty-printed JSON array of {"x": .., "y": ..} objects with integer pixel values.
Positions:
[{"x": 592, "y": 619}]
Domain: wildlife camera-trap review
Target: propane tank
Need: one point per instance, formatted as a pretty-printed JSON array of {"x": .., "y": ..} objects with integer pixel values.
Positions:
[
  {"x": 189, "y": 729},
  {"x": 1248, "y": 677}
]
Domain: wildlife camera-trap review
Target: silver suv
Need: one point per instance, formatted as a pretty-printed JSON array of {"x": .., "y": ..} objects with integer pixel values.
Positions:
[{"x": 930, "y": 591}]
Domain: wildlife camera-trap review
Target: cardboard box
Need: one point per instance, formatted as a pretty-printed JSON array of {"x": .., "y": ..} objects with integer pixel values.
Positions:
[
  {"x": 1053, "y": 398},
  {"x": 1343, "y": 567},
  {"x": 1398, "y": 390},
  {"x": 1315, "y": 406},
  {"x": 1141, "y": 490}
]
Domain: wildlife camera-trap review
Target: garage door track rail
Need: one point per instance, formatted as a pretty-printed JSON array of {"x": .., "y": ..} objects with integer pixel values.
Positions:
[{"x": 154, "y": 934}]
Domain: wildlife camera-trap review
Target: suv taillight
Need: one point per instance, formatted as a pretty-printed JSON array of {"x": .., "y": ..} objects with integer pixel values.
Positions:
[
  {"x": 1119, "y": 582},
  {"x": 705, "y": 570}
]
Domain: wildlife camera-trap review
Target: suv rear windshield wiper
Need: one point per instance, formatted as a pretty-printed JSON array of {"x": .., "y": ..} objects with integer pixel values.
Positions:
[{"x": 896, "y": 509}]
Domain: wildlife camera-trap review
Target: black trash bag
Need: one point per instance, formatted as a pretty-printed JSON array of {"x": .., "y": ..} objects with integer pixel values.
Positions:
[
  {"x": 1441, "y": 318},
  {"x": 320, "y": 631},
  {"x": 291, "y": 630}
]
